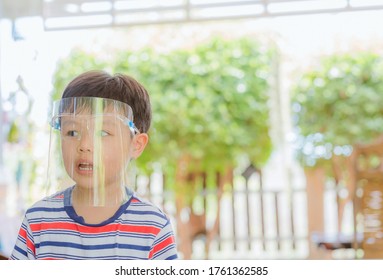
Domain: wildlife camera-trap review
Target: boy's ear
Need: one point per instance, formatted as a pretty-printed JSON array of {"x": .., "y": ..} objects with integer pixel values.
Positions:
[{"x": 139, "y": 144}]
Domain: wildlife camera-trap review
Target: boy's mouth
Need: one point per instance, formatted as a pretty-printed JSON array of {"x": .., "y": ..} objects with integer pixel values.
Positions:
[{"x": 85, "y": 166}]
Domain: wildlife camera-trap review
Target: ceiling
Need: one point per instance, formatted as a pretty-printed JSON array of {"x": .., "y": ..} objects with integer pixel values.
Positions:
[{"x": 76, "y": 14}]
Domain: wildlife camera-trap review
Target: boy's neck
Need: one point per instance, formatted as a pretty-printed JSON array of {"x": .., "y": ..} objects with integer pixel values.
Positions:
[
  {"x": 95, "y": 211},
  {"x": 95, "y": 214},
  {"x": 108, "y": 196}
]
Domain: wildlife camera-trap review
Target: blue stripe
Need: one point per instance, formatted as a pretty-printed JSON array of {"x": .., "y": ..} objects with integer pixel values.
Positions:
[
  {"x": 30, "y": 252},
  {"x": 45, "y": 209},
  {"x": 50, "y": 220},
  {"x": 137, "y": 212},
  {"x": 159, "y": 240},
  {"x": 30, "y": 236},
  {"x": 92, "y": 247},
  {"x": 21, "y": 251},
  {"x": 172, "y": 257},
  {"x": 76, "y": 257},
  {"x": 22, "y": 239},
  {"x": 143, "y": 223},
  {"x": 40, "y": 220},
  {"x": 24, "y": 227},
  {"x": 163, "y": 251}
]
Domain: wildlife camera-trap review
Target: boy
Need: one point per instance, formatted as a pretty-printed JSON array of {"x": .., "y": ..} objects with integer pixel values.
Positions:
[{"x": 98, "y": 216}]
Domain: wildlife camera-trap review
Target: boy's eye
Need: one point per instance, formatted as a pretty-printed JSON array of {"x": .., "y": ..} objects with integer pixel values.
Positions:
[
  {"x": 72, "y": 133},
  {"x": 102, "y": 133}
]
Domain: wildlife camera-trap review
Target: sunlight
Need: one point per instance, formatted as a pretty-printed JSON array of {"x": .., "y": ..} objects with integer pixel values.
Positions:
[{"x": 103, "y": 28}]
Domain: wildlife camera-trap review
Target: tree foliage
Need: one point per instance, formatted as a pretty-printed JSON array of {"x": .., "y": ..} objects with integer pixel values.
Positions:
[
  {"x": 338, "y": 105},
  {"x": 210, "y": 102}
]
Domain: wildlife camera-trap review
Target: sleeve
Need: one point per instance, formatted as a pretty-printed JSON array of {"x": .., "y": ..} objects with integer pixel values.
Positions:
[
  {"x": 25, "y": 247},
  {"x": 164, "y": 246}
]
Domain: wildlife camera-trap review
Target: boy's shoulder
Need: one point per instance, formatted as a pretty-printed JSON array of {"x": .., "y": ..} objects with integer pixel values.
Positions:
[
  {"x": 52, "y": 201},
  {"x": 142, "y": 206}
]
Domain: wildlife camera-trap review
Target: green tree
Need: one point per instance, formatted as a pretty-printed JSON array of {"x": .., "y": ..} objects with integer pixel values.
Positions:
[
  {"x": 337, "y": 105},
  {"x": 209, "y": 103},
  {"x": 210, "y": 108}
]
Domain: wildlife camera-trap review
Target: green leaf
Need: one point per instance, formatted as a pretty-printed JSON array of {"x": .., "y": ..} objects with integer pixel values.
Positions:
[
  {"x": 210, "y": 102},
  {"x": 341, "y": 100}
]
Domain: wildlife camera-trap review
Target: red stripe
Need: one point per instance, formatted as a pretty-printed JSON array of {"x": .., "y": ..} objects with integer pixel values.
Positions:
[
  {"x": 31, "y": 246},
  {"x": 94, "y": 230},
  {"x": 160, "y": 246},
  {"x": 28, "y": 242},
  {"x": 23, "y": 233}
]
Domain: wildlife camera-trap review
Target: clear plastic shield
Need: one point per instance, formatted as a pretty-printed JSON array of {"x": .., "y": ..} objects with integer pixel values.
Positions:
[{"x": 90, "y": 150}]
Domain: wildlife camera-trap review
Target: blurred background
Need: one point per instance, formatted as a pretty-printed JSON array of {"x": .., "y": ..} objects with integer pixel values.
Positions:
[{"x": 266, "y": 141}]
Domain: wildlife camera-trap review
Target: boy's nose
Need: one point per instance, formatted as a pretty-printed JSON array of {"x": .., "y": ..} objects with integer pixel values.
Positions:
[
  {"x": 85, "y": 143},
  {"x": 83, "y": 149}
]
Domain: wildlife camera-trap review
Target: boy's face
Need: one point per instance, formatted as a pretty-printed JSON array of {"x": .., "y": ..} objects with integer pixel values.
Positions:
[
  {"x": 98, "y": 140},
  {"x": 96, "y": 149}
]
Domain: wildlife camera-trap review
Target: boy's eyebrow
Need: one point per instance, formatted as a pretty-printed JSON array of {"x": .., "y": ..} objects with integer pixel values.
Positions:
[
  {"x": 67, "y": 120},
  {"x": 109, "y": 122},
  {"x": 74, "y": 120}
]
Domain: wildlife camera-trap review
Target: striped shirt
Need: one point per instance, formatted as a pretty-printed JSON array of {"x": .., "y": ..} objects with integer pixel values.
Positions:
[{"x": 52, "y": 230}]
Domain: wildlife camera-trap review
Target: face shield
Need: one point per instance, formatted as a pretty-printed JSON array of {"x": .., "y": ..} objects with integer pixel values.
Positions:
[{"x": 90, "y": 150}]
